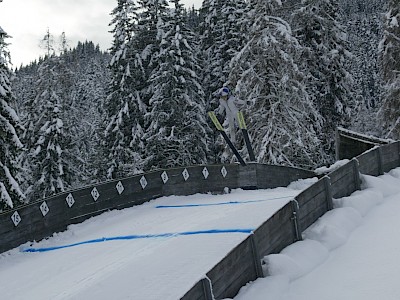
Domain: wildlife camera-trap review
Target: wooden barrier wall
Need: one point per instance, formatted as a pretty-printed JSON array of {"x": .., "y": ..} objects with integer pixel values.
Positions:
[
  {"x": 243, "y": 264},
  {"x": 43, "y": 218},
  {"x": 350, "y": 144},
  {"x": 285, "y": 226}
]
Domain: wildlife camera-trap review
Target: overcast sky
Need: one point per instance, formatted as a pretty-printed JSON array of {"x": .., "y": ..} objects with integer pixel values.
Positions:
[{"x": 27, "y": 22}]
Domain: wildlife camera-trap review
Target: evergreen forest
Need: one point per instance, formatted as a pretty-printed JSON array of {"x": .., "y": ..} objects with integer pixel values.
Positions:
[{"x": 299, "y": 69}]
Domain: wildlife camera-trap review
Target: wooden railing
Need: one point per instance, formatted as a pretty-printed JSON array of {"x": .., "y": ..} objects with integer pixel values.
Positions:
[
  {"x": 44, "y": 217},
  {"x": 243, "y": 263}
]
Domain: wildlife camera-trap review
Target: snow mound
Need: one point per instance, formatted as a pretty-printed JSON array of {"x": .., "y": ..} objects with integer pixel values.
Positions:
[
  {"x": 395, "y": 173},
  {"x": 335, "y": 166},
  {"x": 333, "y": 229},
  {"x": 387, "y": 184},
  {"x": 295, "y": 260},
  {"x": 302, "y": 184},
  {"x": 362, "y": 201}
]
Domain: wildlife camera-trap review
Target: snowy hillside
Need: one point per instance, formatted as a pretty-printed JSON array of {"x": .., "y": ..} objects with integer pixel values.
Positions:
[
  {"x": 142, "y": 266},
  {"x": 351, "y": 253}
]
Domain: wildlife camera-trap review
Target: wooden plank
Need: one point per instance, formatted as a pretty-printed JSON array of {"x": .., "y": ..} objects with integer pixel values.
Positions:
[
  {"x": 341, "y": 172},
  {"x": 247, "y": 178},
  {"x": 318, "y": 189},
  {"x": 311, "y": 216},
  {"x": 199, "y": 291},
  {"x": 269, "y": 176},
  {"x": 369, "y": 163},
  {"x": 277, "y": 232},
  {"x": 234, "y": 271},
  {"x": 349, "y": 147},
  {"x": 345, "y": 186},
  {"x": 390, "y": 156}
]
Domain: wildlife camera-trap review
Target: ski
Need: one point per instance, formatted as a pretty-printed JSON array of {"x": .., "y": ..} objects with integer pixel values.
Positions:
[
  {"x": 243, "y": 127},
  {"x": 219, "y": 127}
]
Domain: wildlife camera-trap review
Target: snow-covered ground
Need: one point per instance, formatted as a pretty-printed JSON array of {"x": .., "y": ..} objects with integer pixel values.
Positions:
[
  {"x": 351, "y": 253},
  {"x": 152, "y": 252},
  {"x": 144, "y": 252}
]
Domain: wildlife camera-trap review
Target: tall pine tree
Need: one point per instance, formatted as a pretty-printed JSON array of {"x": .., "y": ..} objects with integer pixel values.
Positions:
[
  {"x": 123, "y": 109},
  {"x": 46, "y": 135},
  {"x": 329, "y": 82},
  {"x": 390, "y": 53},
  {"x": 281, "y": 116},
  {"x": 176, "y": 119},
  {"x": 10, "y": 144}
]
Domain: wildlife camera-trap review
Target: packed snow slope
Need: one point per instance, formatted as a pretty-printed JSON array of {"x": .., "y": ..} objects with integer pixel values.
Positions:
[
  {"x": 350, "y": 253},
  {"x": 158, "y": 250}
]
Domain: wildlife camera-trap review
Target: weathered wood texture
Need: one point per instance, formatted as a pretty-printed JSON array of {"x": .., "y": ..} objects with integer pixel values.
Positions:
[
  {"x": 243, "y": 263},
  {"x": 273, "y": 176},
  {"x": 284, "y": 226},
  {"x": 390, "y": 156},
  {"x": 349, "y": 144},
  {"x": 127, "y": 192},
  {"x": 239, "y": 267},
  {"x": 277, "y": 232},
  {"x": 313, "y": 203},
  {"x": 200, "y": 291},
  {"x": 345, "y": 180},
  {"x": 370, "y": 163}
]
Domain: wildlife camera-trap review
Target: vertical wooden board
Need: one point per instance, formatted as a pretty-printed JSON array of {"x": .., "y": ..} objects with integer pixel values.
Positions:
[
  {"x": 25, "y": 229},
  {"x": 349, "y": 147},
  {"x": 269, "y": 176},
  {"x": 390, "y": 156},
  {"x": 215, "y": 181},
  {"x": 248, "y": 176},
  {"x": 234, "y": 271},
  {"x": 369, "y": 163},
  {"x": 341, "y": 172},
  {"x": 311, "y": 216},
  {"x": 344, "y": 186},
  {"x": 195, "y": 182},
  {"x": 195, "y": 293},
  {"x": 277, "y": 232},
  {"x": 318, "y": 204},
  {"x": 318, "y": 190}
]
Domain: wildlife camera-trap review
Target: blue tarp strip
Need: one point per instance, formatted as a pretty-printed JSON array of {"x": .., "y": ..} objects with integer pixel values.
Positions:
[
  {"x": 220, "y": 203},
  {"x": 134, "y": 237}
]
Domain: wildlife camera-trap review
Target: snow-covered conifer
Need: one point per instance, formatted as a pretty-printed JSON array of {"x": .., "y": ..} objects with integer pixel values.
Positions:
[
  {"x": 390, "y": 52},
  {"x": 329, "y": 82},
  {"x": 10, "y": 144},
  {"x": 176, "y": 123},
  {"x": 48, "y": 139},
  {"x": 124, "y": 122},
  {"x": 221, "y": 38},
  {"x": 282, "y": 118}
]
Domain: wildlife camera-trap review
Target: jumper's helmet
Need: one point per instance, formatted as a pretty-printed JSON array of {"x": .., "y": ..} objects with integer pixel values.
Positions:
[{"x": 224, "y": 91}]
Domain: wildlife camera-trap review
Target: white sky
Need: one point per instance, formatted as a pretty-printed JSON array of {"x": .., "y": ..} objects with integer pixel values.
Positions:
[{"x": 27, "y": 21}]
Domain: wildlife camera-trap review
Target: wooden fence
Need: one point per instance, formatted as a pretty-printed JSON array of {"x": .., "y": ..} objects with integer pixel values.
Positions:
[
  {"x": 243, "y": 263},
  {"x": 349, "y": 144},
  {"x": 42, "y": 218}
]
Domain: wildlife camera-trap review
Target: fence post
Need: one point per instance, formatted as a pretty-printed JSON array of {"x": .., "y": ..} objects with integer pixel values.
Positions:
[
  {"x": 207, "y": 289},
  {"x": 328, "y": 191},
  {"x": 380, "y": 161},
  {"x": 356, "y": 170},
  {"x": 297, "y": 231},
  {"x": 256, "y": 256},
  {"x": 398, "y": 153}
]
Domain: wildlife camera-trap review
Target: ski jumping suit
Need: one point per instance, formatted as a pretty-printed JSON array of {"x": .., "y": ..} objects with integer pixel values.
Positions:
[{"x": 231, "y": 113}]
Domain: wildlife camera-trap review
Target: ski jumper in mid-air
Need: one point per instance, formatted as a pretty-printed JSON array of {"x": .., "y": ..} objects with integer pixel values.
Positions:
[{"x": 227, "y": 103}]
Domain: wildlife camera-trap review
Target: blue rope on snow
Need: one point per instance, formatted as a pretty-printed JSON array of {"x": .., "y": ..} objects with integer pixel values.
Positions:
[
  {"x": 134, "y": 237},
  {"x": 221, "y": 203}
]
